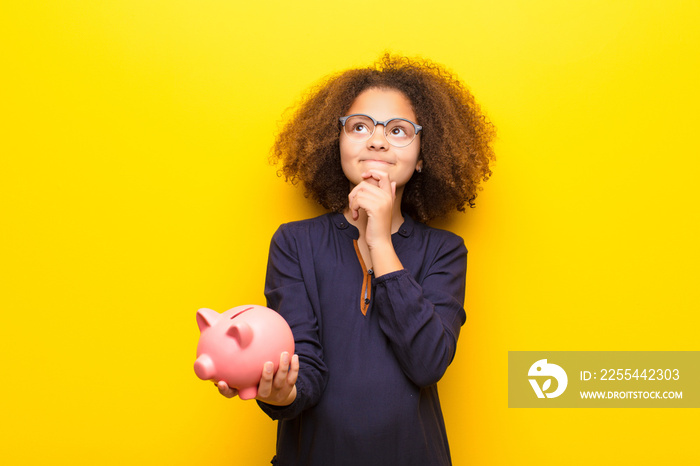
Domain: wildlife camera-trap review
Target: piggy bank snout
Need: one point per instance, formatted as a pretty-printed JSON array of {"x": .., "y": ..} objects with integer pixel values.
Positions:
[{"x": 204, "y": 367}]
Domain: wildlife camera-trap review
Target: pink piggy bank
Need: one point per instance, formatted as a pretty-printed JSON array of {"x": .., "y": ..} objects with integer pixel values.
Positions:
[{"x": 233, "y": 346}]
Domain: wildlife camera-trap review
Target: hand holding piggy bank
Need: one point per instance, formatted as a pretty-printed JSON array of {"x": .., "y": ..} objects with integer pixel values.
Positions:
[{"x": 234, "y": 345}]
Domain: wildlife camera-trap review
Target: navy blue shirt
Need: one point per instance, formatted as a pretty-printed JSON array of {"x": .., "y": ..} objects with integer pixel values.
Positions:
[{"x": 371, "y": 349}]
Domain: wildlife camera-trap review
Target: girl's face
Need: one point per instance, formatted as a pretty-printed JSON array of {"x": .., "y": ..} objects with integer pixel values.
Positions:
[{"x": 376, "y": 152}]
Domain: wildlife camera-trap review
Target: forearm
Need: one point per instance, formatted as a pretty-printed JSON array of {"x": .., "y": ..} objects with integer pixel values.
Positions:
[
  {"x": 286, "y": 293},
  {"x": 422, "y": 319},
  {"x": 384, "y": 258},
  {"x": 423, "y": 334}
]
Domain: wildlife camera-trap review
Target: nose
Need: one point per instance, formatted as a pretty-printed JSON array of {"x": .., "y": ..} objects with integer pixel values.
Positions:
[{"x": 378, "y": 139}]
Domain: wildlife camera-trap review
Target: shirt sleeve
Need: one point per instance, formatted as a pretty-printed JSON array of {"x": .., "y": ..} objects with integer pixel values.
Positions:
[
  {"x": 286, "y": 293},
  {"x": 422, "y": 320}
]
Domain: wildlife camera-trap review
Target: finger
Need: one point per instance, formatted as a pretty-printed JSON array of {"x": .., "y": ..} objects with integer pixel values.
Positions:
[
  {"x": 369, "y": 178},
  {"x": 381, "y": 178},
  {"x": 281, "y": 375},
  {"x": 225, "y": 390},
  {"x": 370, "y": 200},
  {"x": 265, "y": 385},
  {"x": 293, "y": 370},
  {"x": 352, "y": 203},
  {"x": 359, "y": 201}
]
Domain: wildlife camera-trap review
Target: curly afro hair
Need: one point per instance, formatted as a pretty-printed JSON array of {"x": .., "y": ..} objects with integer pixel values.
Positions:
[{"x": 455, "y": 141}]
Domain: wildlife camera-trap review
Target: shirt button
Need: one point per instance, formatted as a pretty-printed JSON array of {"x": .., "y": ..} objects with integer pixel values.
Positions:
[
  {"x": 370, "y": 271},
  {"x": 366, "y": 300},
  {"x": 342, "y": 224}
]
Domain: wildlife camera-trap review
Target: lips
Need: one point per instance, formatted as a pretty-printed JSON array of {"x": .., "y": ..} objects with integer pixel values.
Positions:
[{"x": 383, "y": 162}]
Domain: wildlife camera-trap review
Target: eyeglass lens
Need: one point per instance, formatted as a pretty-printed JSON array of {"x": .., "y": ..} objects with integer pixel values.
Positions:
[{"x": 398, "y": 132}]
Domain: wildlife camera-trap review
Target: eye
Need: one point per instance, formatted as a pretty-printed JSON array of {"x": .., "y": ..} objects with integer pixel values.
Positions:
[
  {"x": 398, "y": 131},
  {"x": 360, "y": 128},
  {"x": 359, "y": 125}
]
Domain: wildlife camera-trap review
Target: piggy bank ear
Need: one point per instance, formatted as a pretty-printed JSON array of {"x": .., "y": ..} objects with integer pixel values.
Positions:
[
  {"x": 206, "y": 318},
  {"x": 241, "y": 332}
]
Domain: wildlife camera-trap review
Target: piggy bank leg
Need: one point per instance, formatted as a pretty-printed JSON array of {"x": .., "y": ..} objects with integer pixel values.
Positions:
[{"x": 248, "y": 393}]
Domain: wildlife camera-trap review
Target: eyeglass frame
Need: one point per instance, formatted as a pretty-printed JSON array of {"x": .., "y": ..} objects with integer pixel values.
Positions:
[{"x": 417, "y": 128}]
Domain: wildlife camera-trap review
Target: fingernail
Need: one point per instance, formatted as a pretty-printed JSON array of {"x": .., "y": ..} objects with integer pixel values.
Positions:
[{"x": 268, "y": 367}]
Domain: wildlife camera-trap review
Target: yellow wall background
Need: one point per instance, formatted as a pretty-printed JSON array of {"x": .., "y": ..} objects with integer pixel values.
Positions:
[{"x": 134, "y": 189}]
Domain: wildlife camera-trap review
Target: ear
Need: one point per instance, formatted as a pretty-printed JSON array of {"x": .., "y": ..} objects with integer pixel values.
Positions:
[
  {"x": 206, "y": 318},
  {"x": 242, "y": 333},
  {"x": 419, "y": 166}
]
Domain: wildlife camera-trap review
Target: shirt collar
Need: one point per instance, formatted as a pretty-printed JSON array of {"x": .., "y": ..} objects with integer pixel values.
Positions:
[{"x": 342, "y": 224}]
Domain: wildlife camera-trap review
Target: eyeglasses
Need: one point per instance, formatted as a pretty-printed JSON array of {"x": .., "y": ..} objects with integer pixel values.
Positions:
[{"x": 399, "y": 132}]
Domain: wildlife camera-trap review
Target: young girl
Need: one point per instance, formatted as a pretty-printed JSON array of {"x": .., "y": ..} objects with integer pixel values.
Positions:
[{"x": 374, "y": 297}]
